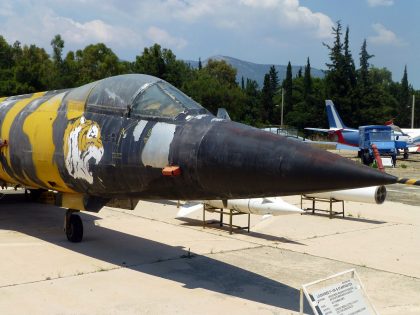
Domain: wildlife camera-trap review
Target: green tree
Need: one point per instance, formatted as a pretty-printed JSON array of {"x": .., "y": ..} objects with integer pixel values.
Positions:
[
  {"x": 288, "y": 89},
  {"x": 307, "y": 80},
  {"x": 57, "y": 80},
  {"x": 363, "y": 72},
  {"x": 222, "y": 71},
  {"x": 32, "y": 70},
  {"x": 252, "y": 113},
  {"x": 163, "y": 64},
  {"x": 96, "y": 62},
  {"x": 214, "y": 86},
  {"x": 57, "y": 44},
  {"x": 267, "y": 100},
  {"x": 6, "y": 68},
  {"x": 349, "y": 67},
  {"x": 338, "y": 87},
  {"x": 404, "y": 107}
]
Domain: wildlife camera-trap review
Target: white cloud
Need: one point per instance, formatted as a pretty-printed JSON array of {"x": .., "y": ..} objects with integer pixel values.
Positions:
[
  {"x": 128, "y": 26},
  {"x": 162, "y": 37},
  {"x": 376, "y": 3},
  {"x": 384, "y": 36},
  {"x": 193, "y": 10},
  {"x": 261, "y": 3},
  {"x": 292, "y": 15},
  {"x": 92, "y": 31},
  {"x": 38, "y": 25},
  {"x": 234, "y": 14}
]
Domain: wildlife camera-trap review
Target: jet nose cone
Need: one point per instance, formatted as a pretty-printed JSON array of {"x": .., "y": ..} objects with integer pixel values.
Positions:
[
  {"x": 327, "y": 171},
  {"x": 244, "y": 162}
]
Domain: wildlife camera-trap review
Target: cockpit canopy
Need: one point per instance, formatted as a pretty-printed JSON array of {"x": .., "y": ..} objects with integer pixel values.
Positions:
[{"x": 136, "y": 95}]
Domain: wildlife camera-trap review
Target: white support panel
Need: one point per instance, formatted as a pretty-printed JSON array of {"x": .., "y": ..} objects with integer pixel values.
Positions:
[{"x": 341, "y": 294}]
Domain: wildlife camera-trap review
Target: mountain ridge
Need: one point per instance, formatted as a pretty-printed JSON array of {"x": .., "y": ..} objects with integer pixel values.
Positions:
[{"x": 256, "y": 71}]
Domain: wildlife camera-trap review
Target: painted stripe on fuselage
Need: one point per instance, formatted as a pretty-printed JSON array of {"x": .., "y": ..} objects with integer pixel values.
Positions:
[
  {"x": 20, "y": 150},
  {"x": 38, "y": 127},
  {"x": 9, "y": 117}
]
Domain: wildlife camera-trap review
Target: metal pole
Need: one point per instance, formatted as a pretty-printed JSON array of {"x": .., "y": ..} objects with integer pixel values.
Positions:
[
  {"x": 282, "y": 103},
  {"x": 301, "y": 302},
  {"x": 412, "y": 112}
]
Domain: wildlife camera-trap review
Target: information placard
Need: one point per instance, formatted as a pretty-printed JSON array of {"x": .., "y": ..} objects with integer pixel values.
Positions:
[{"x": 343, "y": 298}]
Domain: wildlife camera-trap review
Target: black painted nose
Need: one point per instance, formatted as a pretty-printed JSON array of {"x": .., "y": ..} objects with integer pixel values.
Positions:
[{"x": 236, "y": 161}]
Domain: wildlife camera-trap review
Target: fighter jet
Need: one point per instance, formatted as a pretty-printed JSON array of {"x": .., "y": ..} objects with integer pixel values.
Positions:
[{"x": 137, "y": 136}]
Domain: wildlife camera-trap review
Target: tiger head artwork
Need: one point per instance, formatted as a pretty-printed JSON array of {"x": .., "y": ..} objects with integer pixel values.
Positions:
[{"x": 82, "y": 145}]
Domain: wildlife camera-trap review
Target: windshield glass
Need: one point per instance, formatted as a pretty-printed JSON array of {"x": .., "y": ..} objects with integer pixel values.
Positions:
[
  {"x": 380, "y": 136},
  {"x": 187, "y": 101},
  {"x": 155, "y": 102},
  {"x": 162, "y": 100}
]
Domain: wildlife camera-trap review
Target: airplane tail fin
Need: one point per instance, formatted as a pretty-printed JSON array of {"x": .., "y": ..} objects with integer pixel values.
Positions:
[
  {"x": 334, "y": 119},
  {"x": 222, "y": 113}
]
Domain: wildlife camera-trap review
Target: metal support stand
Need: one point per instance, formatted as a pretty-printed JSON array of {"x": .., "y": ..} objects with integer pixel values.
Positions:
[
  {"x": 229, "y": 213},
  {"x": 330, "y": 201}
]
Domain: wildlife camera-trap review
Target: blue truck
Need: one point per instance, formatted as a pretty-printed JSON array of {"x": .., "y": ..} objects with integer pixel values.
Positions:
[{"x": 384, "y": 139}]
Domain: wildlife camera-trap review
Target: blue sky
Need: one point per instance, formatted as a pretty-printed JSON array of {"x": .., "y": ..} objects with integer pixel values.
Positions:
[{"x": 261, "y": 31}]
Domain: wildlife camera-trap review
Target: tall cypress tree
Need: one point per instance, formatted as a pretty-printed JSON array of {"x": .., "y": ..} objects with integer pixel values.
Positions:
[
  {"x": 336, "y": 51},
  {"x": 404, "y": 100},
  {"x": 338, "y": 87},
  {"x": 288, "y": 86},
  {"x": 267, "y": 99},
  {"x": 307, "y": 80},
  {"x": 349, "y": 67},
  {"x": 274, "y": 80},
  {"x": 364, "y": 67}
]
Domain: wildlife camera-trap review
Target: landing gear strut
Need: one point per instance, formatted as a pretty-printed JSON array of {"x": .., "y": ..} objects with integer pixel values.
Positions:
[{"x": 73, "y": 226}]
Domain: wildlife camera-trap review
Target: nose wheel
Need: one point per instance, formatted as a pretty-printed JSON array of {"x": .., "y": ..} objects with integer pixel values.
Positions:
[{"x": 73, "y": 226}]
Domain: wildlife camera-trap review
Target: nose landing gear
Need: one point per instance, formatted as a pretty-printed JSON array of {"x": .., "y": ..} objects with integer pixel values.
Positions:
[{"x": 73, "y": 226}]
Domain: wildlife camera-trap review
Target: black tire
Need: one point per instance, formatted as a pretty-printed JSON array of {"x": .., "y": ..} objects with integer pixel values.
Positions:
[
  {"x": 405, "y": 155},
  {"x": 366, "y": 159},
  {"x": 74, "y": 230}
]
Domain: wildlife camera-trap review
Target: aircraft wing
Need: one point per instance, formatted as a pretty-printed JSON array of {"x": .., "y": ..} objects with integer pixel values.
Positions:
[
  {"x": 318, "y": 129},
  {"x": 331, "y": 130}
]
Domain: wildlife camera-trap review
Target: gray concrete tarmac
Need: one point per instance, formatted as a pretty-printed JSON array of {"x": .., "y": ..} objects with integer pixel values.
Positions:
[{"x": 147, "y": 262}]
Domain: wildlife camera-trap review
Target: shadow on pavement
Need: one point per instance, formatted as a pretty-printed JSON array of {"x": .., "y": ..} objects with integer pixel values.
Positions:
[
  {"x": 215, "y": 225},
  {"x": 45, "y": 222},
  {"x": 339, "y": 217}
]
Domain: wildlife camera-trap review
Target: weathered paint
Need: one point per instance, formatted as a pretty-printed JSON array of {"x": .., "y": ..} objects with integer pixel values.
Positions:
[
  {"x": 139, "y": 129},
  {"x": 10, "y": 117},
  {"x": 94, "y": 143},
  {"x": 156, "y": 150},
  {"x": 82, "y": 144},
  {"x": 38, "y": 127}
]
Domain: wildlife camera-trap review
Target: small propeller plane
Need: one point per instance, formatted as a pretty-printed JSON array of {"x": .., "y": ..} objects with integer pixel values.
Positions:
[
  {"x": 342, "y": 134},
  {"x": 136, "y": 136}
]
